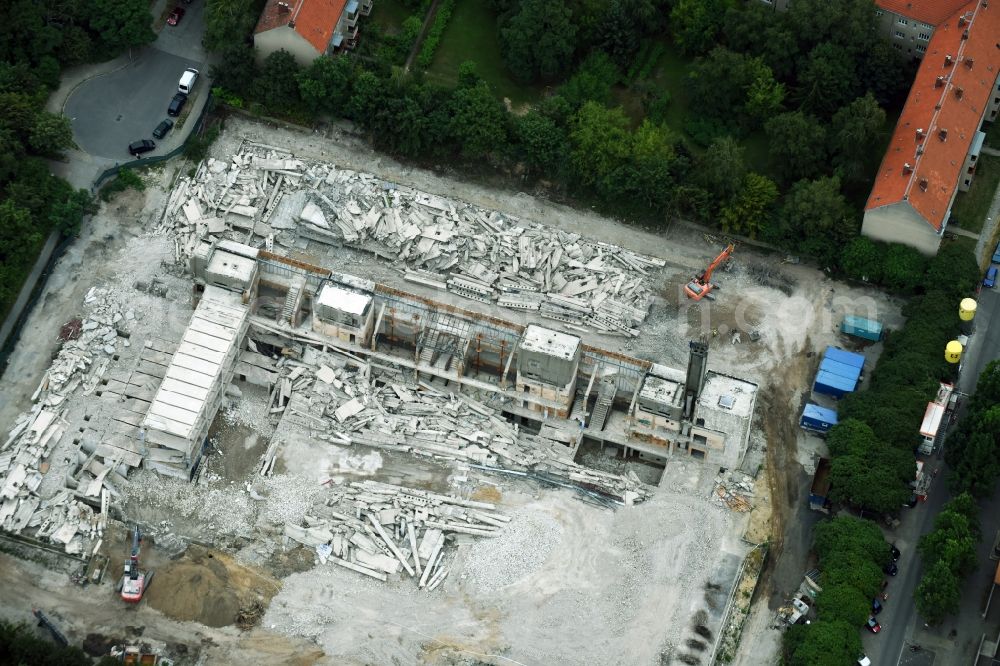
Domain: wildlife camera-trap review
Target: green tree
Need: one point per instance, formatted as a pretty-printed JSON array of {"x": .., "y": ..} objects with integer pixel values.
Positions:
[
  {"x": 855, "y": 129},
  {"x": 904, "y": 268},
  {"x": 938, "y": 594},
  {"x": 277, "y": 85},
  {"x": 696, "y": 24},
  {"x": 600, "y": 146},
  {"x": 816, "y": 217},
  {"x": 734, "y": 88},
  {"x": 827, "y": 80},
  {"x": 863, "y": 259},
  {"x": 367, "y": 97},
  {"x": 758, "y": 30},
  {"x": 51, "y": 134},
  {"x": 953, "y": 269},
  {"x": 860, "y": 538},
  {"x": 542, "y": 143},
  {"x": 748, "y": 212},
  {"x": 822, "y": 643},
  {"x": 592, "y": 81},
  {"x": 325, "y": 85},
  {"x": 67, "y": 214},
  {"x": 237, "y": 68},
  {"x": 228, "y": 22},
  {"x": 478, "y": 121},
  {"x": 797, "y": 145},
  {"x": 845, "y": 603},
  {"x": 722, "y": 169},
  {"x": 538, "y": 41},
  {"x": 122, "y": 24},
  {"x": 656, "y": 166}
]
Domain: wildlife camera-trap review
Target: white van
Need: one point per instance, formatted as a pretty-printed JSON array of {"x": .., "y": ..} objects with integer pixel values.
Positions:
[{"x": 187, "y": 82}]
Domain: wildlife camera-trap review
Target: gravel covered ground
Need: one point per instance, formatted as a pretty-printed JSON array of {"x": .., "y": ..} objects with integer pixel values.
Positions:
[{"x": 568, "y": 583}]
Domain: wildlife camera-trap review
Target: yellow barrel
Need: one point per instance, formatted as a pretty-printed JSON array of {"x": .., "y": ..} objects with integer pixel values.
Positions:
[
  {"x": 967, "y": 309},
  {"x": 953, "y": 351}
]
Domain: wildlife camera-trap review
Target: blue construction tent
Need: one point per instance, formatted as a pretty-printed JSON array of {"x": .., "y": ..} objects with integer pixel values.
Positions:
[
  {"x": 830, "y": 384},
  {"x": 838, "y": 368},
  {"x": 818, "y": 418},
  {"x": 845, "y": 357}
]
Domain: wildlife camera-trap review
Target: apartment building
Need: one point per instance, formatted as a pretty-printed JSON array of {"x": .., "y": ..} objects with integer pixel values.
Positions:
[
  {"x": 309, "y": 28},
  {"x": 936, "y": 144}
]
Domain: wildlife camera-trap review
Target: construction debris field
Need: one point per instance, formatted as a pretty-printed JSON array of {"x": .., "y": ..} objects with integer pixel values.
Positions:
[{"x": 517, "y": 570}]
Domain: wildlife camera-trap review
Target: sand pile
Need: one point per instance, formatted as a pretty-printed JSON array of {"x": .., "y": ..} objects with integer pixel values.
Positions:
[{"x": 208, "y": 587}]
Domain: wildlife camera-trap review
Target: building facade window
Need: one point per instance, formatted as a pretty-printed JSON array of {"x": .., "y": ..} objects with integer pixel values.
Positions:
[
  {"x": 923, "y": 36},
  {"x": 900, "y": 35},
  {"x": 898, "y": 47},
  {"x": 878, "y": 12},
  {"x": 902, "y": 21},
  {"x": 921, "y": 48}
]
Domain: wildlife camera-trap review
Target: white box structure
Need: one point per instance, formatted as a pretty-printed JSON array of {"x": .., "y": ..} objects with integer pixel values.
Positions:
[{"x": 185, "y": 405}]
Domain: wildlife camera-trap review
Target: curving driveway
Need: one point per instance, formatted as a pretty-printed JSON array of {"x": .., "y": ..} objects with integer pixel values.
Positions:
[{"x": 109, "y": 112}]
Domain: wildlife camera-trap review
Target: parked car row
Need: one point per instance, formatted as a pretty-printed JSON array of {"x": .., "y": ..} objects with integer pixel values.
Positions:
[
  {"x": 990, "y": 280},
  {"x": 184, "y": 87}
]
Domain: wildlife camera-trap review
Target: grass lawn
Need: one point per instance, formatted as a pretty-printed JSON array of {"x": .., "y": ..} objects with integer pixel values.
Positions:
[
  {"x": 472, "y": 35},
  {"x": 970, "y": 207},
  {"x": 389, "y": 15},
  {"x": 993, "y": 134}
]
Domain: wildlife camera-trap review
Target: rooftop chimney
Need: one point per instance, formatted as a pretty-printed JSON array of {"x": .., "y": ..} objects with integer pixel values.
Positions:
[
  {"x": 965, "y": 34},
  {"x": 969, "y": 62},
  {"x": 938, "y": 82},
  {"x": 943, "y": 134},
  {"x": 920, "y": 134},
  {"x": 907, "y": 168},
  {"x": 958, "y": 93},
  {"x": 923, "y": 184},
  {"x": 948, "y": 60},
  {"x": 962, "y": 20}
]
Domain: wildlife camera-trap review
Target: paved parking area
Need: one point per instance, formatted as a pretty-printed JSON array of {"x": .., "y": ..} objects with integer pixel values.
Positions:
[{"x": 111, "y": 111}]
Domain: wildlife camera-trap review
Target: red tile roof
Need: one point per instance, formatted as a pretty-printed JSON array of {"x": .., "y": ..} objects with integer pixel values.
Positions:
[
  {"x": 926, "y": 11},
  {"x": 315, "y": 20},
  {"x": 951, "y": 107}
]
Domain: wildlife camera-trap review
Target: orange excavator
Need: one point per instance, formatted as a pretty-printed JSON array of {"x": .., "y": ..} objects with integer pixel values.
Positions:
[
  {"x": 135, "y": 581},
  {"x": 701, "y": 286}
]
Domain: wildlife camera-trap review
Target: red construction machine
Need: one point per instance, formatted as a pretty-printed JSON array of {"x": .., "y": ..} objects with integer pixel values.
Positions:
[
  {"x": 135, "y": 581},
  {"x": 701, "y": 286}
]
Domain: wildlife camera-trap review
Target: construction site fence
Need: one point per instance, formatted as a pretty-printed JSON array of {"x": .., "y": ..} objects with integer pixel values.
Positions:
[{"x": 39, "y": 286}]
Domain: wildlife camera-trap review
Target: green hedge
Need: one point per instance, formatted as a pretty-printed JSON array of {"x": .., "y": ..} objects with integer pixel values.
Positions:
[{"x": 433, "y": 38}]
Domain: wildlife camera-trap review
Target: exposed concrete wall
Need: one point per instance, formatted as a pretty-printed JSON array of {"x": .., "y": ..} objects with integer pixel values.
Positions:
[
  {"x": 286, "y": 38},
  {"x": 899, "y": 223}
]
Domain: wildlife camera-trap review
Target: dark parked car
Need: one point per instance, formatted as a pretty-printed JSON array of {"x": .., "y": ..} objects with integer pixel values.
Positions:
[
  {"x": 912, "y": 502},
  {"x": 137, "y": 148},
  {"x": 876, "y": 606},
  {"x": 873, "y": 625},
  {"x": 162, "y": 129},
  {"x": 176, "y": 104},
  {"x": 894, "y": 551},
  {"x": 175, "y": 16},
  {"x": 891, "y": 569}
]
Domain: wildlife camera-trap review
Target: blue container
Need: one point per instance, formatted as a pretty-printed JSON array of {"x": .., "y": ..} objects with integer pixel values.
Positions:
[
  {"x": 818, "y": 419},
  {"x": 833, "y": 385},
  {"x": 841, "y": 369},
  {"x": 860, "y": 327},
  {"x": 845, "y": 357}
]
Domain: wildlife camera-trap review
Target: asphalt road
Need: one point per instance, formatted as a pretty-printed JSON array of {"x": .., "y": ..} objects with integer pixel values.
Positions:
[
  {"x": 111, "y": 111},
  {"x": 955, "y": 641}
]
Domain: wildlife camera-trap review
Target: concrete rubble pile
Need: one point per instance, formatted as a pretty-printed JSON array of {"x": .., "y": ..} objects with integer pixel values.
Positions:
[
  {"x": 441, "y": 243},
  {"x": 69, "y": 518},
  {"x": 347, "y": 405},
  {"x": 63, "y": 519},
  {"x": 735, "y": 490},
  {"x": 379, "y": 529},
  {"x": 98, "y": 338}
]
